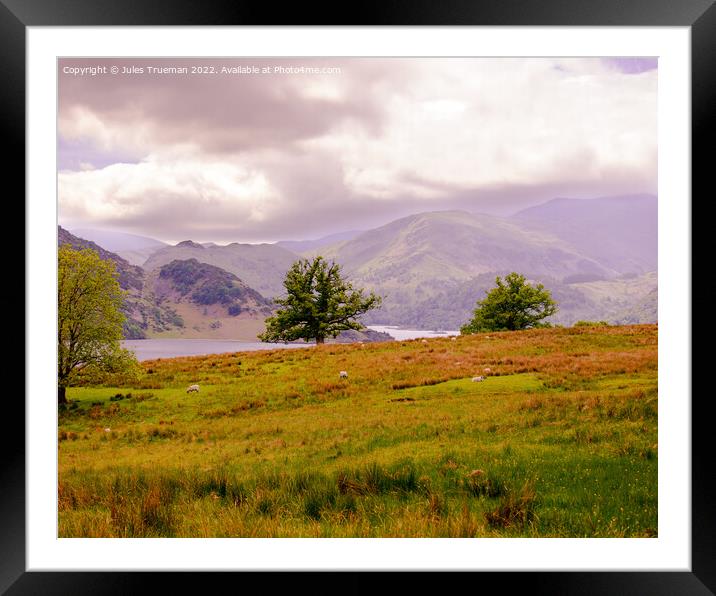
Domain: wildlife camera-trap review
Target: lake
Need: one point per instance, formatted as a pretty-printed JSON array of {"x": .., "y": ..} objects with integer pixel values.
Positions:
[
  {"x": 149, "y": 349},
  {"x": 401, "y": 333}
]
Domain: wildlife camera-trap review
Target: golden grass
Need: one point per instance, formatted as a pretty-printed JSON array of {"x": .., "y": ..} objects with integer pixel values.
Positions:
[{"x": 563, "y": 433}]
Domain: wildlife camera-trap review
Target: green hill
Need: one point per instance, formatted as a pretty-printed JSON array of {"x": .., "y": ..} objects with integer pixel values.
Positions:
[
  {"x": 143, "y": 315},
  {"x": 260, "y": 266},
  {"x": 415, "y": 259}
]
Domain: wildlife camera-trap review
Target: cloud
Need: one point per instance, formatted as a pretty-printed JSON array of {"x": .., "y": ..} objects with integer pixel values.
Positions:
[{"x": 257, "y": 157}]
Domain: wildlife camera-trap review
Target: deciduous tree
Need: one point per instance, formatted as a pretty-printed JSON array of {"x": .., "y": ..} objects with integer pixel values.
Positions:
[
  {"x": 319, "y": 303},
  {"x": 89, "y": 317},
  {"x": 512, "y": 305}
]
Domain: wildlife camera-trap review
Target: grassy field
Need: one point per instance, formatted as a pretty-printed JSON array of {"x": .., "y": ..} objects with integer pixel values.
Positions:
[{"x": 559, "y": 440}]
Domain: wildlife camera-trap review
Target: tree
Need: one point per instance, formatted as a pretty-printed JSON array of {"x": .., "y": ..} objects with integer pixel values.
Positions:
[
  {"x": 318, "y": 304},
  {"x": 89, "y": 317},
  {"x": 512, "y": 305}
]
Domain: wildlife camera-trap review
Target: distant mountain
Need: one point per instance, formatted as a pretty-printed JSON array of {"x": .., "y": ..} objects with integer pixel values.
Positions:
[
  {"x": 300, "y": 246},
  {"x": 206, "y": 285},
  {"x": 133, "y": 248},
  {"x": 624, "y": 300},
  {"x": 212, "y": 302},
  {"x": 415, "y": 258},
  {"x": 142, "y": 315},
  {"x": 454, "y": 245},
  {"x": 618, "y": 301},
  {"x": 262, "y": 267},
  {"x": 598, "y": 257},
  {"x": 618, "y": 232},
  {"x": 131, "y": 277}
]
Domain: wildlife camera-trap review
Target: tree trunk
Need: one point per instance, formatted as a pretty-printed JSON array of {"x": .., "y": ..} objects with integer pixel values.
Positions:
[
  {"x": 61, "y": 398},
  {"x": 319, "y": 340}
]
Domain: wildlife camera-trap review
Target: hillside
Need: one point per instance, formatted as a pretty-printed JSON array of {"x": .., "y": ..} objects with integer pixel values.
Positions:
[
  {"x": 453, "y": 245},
  {"x": 143, "y": 316},
  {"x": 212, "y": 302},
  {"x": 618, "y": 232},
  {"x": 559, "y": 440},
  {"x": 131, "y": 247},
  {"x": 598, "y": 257},
  {"x": 260, "y": 266},
  {"x": 130, "y": 277},
  {"x": 299, "y": 246},
  {"x": 431, "y": 268},
  {"x": 415, "y": 261},
  {"x": 620, "y": 301}
]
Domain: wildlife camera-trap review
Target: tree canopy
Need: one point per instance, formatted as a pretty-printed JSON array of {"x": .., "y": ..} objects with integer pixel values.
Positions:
[
  {"x": 89, "y": 317},
  {"x": 512, "y": 305},
  {"x": 319, "y": 303}
]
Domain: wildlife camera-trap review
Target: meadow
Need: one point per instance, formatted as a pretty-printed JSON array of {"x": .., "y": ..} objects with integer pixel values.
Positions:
[{"x": 559, "y": 440}]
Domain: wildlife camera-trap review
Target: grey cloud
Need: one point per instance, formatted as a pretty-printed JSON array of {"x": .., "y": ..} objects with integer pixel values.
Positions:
[{"x": 222, "y": 113}]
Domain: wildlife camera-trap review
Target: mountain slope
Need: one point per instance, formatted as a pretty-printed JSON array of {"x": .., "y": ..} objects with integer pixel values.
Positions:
[
  {"x": 622, "y": 301},
  {"x": 455, "y": 245},
  {"x": 212, "y": 302},
  {"x": 142, "y": 315},
  {"x": 415, "y": 258},
  {"x": 131, "y": 247},
  {"x": 300, "y": 246},
  {"x": 618, "y": 232},
  {"x": 260, "y": 266},
  {"x": 206, "y": 285}
]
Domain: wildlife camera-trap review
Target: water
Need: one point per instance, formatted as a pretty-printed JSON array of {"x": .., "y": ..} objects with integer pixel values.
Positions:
[
  {"x": 148, "y": 349},
  {"x": 399, "y": 333}
]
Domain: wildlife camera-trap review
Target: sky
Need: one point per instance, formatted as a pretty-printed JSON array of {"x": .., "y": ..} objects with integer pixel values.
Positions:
[{"x": 266, "y": 149}]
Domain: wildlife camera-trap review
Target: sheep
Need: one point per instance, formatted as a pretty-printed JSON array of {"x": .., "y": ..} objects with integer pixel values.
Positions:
[
  {"x": 192, "y": 388},
  {"x": 453, "y": 339},
  {"x": 487, "y": 370},
  {"x": 343, "y": 374},
  {"x": 425, "y": 341},
  {"x": 477, "y": 379}
]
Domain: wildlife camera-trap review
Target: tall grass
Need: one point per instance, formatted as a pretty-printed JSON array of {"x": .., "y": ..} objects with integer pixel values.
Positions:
[{"x": 559, "y": 440}]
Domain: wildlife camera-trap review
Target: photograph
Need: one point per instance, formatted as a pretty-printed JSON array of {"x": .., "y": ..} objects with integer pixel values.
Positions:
[{"x": 357, "y": 297}]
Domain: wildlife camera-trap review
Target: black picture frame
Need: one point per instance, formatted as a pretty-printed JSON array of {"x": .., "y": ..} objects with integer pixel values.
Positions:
[{"x": 17, "y": 15}]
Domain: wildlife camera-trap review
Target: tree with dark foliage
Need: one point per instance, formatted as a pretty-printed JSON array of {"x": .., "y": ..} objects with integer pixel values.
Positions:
[{"x": 319, "y": 303}]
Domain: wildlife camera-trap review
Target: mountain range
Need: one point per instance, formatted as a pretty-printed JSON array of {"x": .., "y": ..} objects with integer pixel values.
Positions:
[
  {"x": 131, "y": 247},
  {"x": 260, "y": 266},
  {"x": 143, "y": 316},
  {"x": 598, "y": 257}
]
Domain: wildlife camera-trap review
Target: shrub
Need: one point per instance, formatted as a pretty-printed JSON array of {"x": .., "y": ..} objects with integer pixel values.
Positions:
[{"x": 591, "y": 324}]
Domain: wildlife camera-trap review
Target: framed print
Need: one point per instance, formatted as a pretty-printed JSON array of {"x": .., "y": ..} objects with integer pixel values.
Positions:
[{"x": 214, "y": 162}]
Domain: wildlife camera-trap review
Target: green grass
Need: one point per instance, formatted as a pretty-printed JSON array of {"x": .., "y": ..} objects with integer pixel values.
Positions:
[{"x": 559, "y": 440}]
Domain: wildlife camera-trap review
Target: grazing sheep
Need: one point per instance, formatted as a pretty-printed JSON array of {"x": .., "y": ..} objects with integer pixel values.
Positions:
[
  {"x": 453, "y": 339},
  {"x": 425, "y": 341},
  {"x": 343, "y": 374},
  {"x": 487, "y": 370},
  {"x": 477, "y": 379},
  {"x": 192, "y": 388}
]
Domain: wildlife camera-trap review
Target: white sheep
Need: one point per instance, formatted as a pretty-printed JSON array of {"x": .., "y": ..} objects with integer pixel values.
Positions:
[
  {"x": 477, "y": 379},
  {"x": 425, "y": 341},
  {"x": 453, "y": 339},
  {"x": 192, "y": 388},
  {"x": 343, "y": 374},
  {"x": 487, "y": 370}
]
